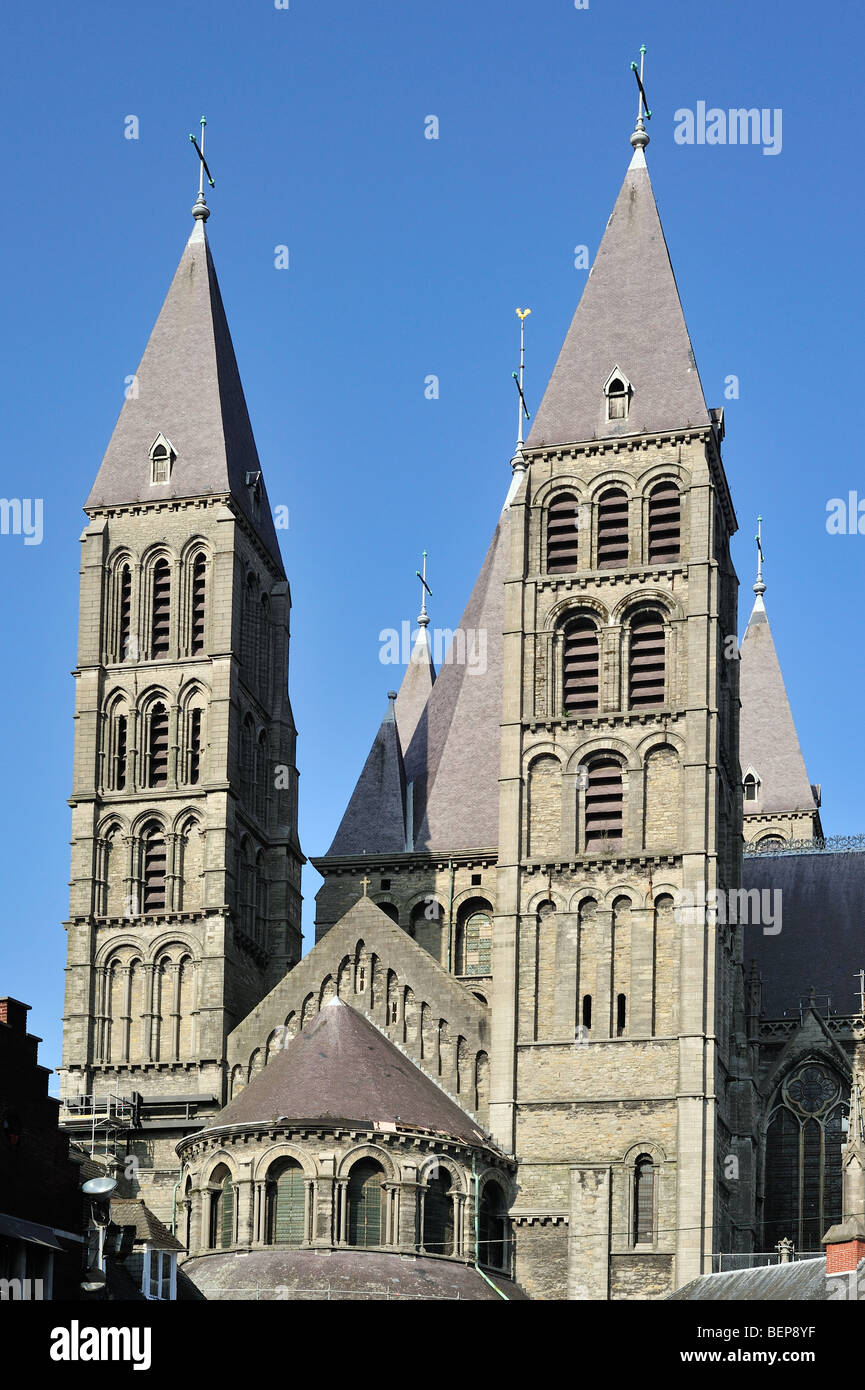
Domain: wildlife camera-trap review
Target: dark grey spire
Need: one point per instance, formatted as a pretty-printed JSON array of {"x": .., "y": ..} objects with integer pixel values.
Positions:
[
  {"x": 374, "y": 820},
  {"x": 768, "y": 742},
  {"x": 188, "y": 389},
  {"x": 630, "y": 318}
]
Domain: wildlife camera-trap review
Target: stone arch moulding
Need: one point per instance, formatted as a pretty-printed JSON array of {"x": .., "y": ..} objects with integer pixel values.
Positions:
[
  {"x": 279, "y": 1150},
  {"x": 368, "y": 1150}
]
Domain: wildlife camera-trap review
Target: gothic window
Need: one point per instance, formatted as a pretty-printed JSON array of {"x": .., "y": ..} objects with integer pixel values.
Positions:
[
  {"x": 613, "y": 529},
  {"x": 749, "y": 787},
  {"x": 157, "y": 746},
  {"x": 580, "y": 667},
  {"x": 196, "y": 630},
  {"x": 286, "y": 1204},
  {"x": 194, "y": 761},
  {"x": 221, "y": 1209},
  {"x": 803, "y": 1157},
  {"x": 563, "y": 525},
  {"x": 493, "y": 1228},
  {"x": 365, "y": 1203},
  {"x": 161, "y": 458},
  {"x": 160, "y": 627},
  {"x": 153, "y": 867},
  {"x": 474, "y": 938},
  {"x": 115, "y": 747},
  {"x": 664, "y": 524},
  {"x": 438, "y": 1215},
  {"x": 646, "y": 660},
  {"x": 604, "y": 807},
  {"x": 644, "y": 1200}
]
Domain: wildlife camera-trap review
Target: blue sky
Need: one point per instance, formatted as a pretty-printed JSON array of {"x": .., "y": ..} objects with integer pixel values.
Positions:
[{"x": 407, "y": 259}]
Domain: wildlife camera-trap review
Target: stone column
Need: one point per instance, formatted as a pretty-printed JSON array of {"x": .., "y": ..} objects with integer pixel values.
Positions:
[{"x": 589, "y": 1232}]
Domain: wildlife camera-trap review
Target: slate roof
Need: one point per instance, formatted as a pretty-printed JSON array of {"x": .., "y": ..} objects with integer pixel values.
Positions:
[
  {"x": 374, "y": 820},
  {"x": 132, "y": 1211},
  {"x": 416, "y": 685},
  {"x": 188, "y": 389},
  {"x": 768, "y": 741},
  {"x": 799, "y": 1280},
  {"x": 630, "y": 316},
  {"x": 341, "y": 1274},
  {"x": 822, "y": 899},
  {"x": 341, "y": 1069}
]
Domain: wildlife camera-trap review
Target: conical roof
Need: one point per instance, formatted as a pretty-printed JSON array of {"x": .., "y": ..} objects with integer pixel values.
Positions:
[
  {"x": 374, "y": 819},
  {"x": 417, "y": 683},
  {"x": 340, "y": 1068},
  {"x": 629, "y": 317},
  {"x": 768, "y": 742},
  {"x": 187, "y": 388}
]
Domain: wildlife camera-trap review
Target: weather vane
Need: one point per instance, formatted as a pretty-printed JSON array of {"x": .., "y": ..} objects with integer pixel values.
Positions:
[
  {"x": 203, "y": 169},
  {"x": 425, "y": 589},
  {"x": 522, "y": 410},
  {"x": 638, "y": 73}
]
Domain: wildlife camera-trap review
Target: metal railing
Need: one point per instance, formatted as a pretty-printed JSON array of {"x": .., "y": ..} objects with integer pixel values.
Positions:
[{"x": 820, "y": 844}]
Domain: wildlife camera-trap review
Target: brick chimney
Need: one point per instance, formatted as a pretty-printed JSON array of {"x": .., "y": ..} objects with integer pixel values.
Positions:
[
  {"x": 14, "y": 1014},
  {"x": 845, "y": 1242}
]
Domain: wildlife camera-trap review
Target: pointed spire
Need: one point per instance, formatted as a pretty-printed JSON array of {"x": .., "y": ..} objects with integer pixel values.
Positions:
[
  {"x": 374, "y": 820},
  {"x": 420, "y": 673},
  {"x": 630, "y": 316},
  {"x": 759, "y": 587},
  {"x": 188, "y": 389}
]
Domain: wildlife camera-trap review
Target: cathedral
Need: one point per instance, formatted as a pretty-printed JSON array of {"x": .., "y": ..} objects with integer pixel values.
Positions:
[{"x": 582, "y": 1019}]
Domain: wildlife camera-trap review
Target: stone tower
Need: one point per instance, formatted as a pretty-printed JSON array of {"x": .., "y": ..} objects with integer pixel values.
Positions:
[
  {"x": 617, "y": 1006},
  {"x": 185, "y": 884}
]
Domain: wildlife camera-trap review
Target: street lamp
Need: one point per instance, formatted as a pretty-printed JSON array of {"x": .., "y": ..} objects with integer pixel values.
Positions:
[{"x": 98, "y": 1191}]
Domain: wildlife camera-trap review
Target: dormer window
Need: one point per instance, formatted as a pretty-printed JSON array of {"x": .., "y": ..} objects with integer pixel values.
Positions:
[
  {"x": 750, "y": 786},
  {"x": 253, "y": 483},
  {"x": 618, "y": 393},
  {"x": 162, "y": 457}
]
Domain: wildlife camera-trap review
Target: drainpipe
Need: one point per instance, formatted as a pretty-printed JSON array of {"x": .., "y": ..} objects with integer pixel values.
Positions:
[
  {"x": 477, "y": 1234},
  {"x": 450, "y": 911}
]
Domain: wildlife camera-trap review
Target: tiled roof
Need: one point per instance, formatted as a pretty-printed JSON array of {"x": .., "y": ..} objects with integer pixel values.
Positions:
[
  {"x": 768, "y": 741},
  {"x": 188, "y": 388},
  {"x": 374, "y": 820},
  {"x": 340, "y": 1068},
  {"x": 415, "y": 689},
  {"x": 799, "y": 1280},
  {"x": 132, "y": 1211}
]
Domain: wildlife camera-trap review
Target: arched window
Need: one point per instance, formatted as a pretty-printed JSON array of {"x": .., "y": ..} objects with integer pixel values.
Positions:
[
  {"x": 160, "y": 624},
  {"x": 618, "y": 398},
  {"x": 157, "y": 746},
  {"x": 474, "y": 938},
  {"x": 580, "y": 666},
  {"x": 563, "y": 527},
  {"x": 221, "y": 1209},
  {"x": 646, "y": 660},
  {"x": 493, "y": 1228},
  {"x": 194, "y": 754},
  {"x": 749, "y": 787},
  {"x": 247, "y": 889},
  {"x": 153, "y": 867},
  {"x": 803, "y": 1156},
  {"x": 427, "y": 918},
  {"x": 613, "y": 529},
  {"x": 621, "y": 1014},
  {"x": 604, "y": 806},
  {"x": 117, "y": 747},
  {"x": 286, "y": 1204},
  {"x": 438, "y": 1215},
  {"x": 265, "y": 637},
  {"x": 198, "y": 596},
  {"x": 644, "y": 1200},
  {"x": 160, "y": 464},
  {"x": 124, "y": 647},
  {"x": 587, "y": 1012},
  {"x": 261, "y": 777},
  {"x": 664, "y": 524},
  {"x": 390, "y": 910},
  {"x": 365, "y": 1203},
  {"x": 251, "y": 614}
]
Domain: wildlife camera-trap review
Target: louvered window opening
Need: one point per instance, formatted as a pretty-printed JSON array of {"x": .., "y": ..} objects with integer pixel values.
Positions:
[
  {"x": 287, "y": 1207},
  {"x": 161, "y": 629},
  {"x": 364, "y": 1204},
  {"x": 222, "y": 1215},
  {"x": 124, "y": 615},
  {"x": 158, "y": 750},
  {"x": 119, "y": 779},
  {"x": 478, "y": 937},
  {"x": 438, "y": 1217},
  {"x": 617, "y": 400},
  {"x": 580, "y": 667},
  {"x": 613, "y": 530},
  {"x": 604, "y": 807},
  {"x": 198, "y": 593},
  {"x": 563, "y": 534},
  {"x": 194, "y": 745},
  {"x": 154, "y": 871},
  {"x": 644, "y": 1202},
  {"x": 492, "y": 1232},
  {"x": 664, "y": 524},
  {"x": 646, "y": 667}
]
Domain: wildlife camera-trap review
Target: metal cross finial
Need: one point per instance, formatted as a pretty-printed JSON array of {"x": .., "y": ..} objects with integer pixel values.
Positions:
[
  {"x": 423, "y": 619},
  {"x": 640, "y": 138},
  {"x": 522, "y": 409},
  {"x": 200, "y": 203},
  {"x": 364, "y": 883},
  {"x": 759, "y": 587}
]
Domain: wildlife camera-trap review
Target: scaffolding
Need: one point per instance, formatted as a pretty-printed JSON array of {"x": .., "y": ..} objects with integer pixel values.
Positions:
[{"x": 103, "y": 1117}]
